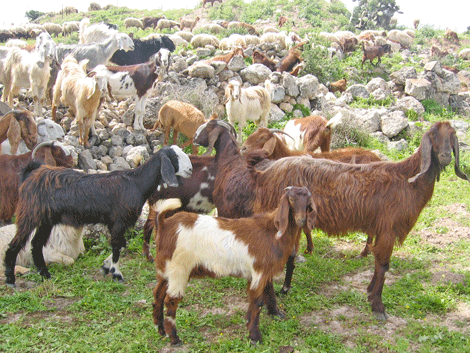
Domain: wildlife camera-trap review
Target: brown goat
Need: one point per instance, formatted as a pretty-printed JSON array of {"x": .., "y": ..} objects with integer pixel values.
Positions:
[
  {"x": 297, "y": 68},
  {"x": 373, "y": 52},
  {"x": 260, "y": 58},
  {"x": 309, "y": 133},
  {"x": 190, "y": 245},
  {"x": 451, "y": 36},
  {"x": 289, "y": 61},
  {"x": 150, "y": 21},
  {"x": 438, "y": 53},
  {"x": 10, "y": 167},
  {"x": 282, "y": 21},
  {"x": 348, "y": 44},
  {"x": 187, "y": 23},
  {"x": 276, "y": 148},
  {"x": 416, "y": 23},
  {"x": 227, "y": 57},
  {"x": 17, "y": 125},
  {"x": 338, "y": 86}
]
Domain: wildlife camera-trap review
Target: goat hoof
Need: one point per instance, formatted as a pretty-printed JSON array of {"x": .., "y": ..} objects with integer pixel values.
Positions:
[
  {"x": 118, "y": 277},
  {"x": 284, "y": 291},
  {"x": 45, "y": 274},
  {"x": 11, "y": 285},
  {"x": 104, "y": 270},
  {"x": 380, "y": 316}
]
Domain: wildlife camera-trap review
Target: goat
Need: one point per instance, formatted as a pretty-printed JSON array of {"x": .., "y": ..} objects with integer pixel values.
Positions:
[
  {"x": 242, "y": 104},
  {"x": 188, "y": 23},
  {"x": 11, "y": 166},
  {"x": 143, "y": 51},
  {"x": 373, "y": 52},
  {"x": 266, "y": 139},
  {"x": 101, "y": 53},
  {"x": 17, "y": 125},
  {"x": 164, "y": 23},
  {"x": 64, "y": 246},
  {"x": 53, "y": 28},
  {"x": 134, "y": 81},
  {"x": 451, "y": 36},
  {"x": 260, "y": 58},
  {"x": 80, "y": 93},
  {"x": 194, "y": 192},
  {"x": 151, "y": 21},
  {"x": 28, "y": 70},
  {"x": 204, "y": 2},
  {"x": 381, "y": 199},
  {"x": 190, "y": 245},
  {"x": 438, "y": 53},
  {"x": 416, "y": 23},
  {"x": 338, "y": 86},
  {"x": 69, "y": 27},
  {"x": 95, "y": 33},
  {"x": 227, "y": 57},
  {"x": 235, "y": 25},
  {"x": 289, "y": 61},
  {"x": 308, "y": 134},
  {"x": 115, "y": 199},
  {"x": 133, "y": 22},
  {"x": 184, "y": 118}
]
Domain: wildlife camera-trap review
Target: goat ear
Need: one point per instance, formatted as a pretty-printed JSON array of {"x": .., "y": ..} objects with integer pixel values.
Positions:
[
  {"x": 426, "y": 149},
  {"x": 48, "y": 158},
  {"x": 455, "y": 149},
  {"x": 281, "y": 219},
  {"x": 168, "y": 172},
  {"x": 14, "y": 134},
  {"x": 312, "y": 214},
  {"x": 269, "y": 145}
]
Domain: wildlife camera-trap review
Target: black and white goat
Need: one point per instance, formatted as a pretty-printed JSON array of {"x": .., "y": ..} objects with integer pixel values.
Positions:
[
  {"x": 134, "y": 81},
  {"x": 52, "y": 195}
]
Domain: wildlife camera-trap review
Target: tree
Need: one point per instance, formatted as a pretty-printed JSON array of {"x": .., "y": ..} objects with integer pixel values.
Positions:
[
  {"x": 33, "y": 14},
  {"x": 371, "y": 14}
]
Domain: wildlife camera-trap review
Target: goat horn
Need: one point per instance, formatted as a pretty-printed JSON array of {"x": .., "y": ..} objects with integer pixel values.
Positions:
[
  {"x": 227, "y": 126},
  {"x": 281, "y": 132},
  {"x": 45, "y": 143}
]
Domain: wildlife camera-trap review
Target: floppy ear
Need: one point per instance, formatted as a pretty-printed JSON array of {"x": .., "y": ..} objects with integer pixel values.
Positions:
[
  {"x": 426, "y": 148},
  {"x": 168, "y": 172},
  {"x": 14, "y": 134},
  {"x": 49, "y": 159},
  {"x": 455, "y": 149},
  {"x": 312, "y": 214},
  {"x": 281, "y": 219},
  {"x": 269, "y": 145}
]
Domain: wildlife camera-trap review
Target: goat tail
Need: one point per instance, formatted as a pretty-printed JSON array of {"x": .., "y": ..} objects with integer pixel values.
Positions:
[{"x": 161, "y": 207}]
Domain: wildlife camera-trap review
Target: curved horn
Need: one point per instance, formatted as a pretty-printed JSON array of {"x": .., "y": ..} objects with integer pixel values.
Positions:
[
  {"x": 228, "y": 126},
  {"x": 45, "y": 143},
  {"x": 281, "y": 132}
]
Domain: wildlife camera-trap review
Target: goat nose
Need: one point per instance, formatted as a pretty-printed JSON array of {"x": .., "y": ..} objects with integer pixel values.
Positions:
[{"x": 301, "y": 221}]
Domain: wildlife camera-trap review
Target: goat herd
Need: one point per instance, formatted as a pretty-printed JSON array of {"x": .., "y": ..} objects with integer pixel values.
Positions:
[{"x": 265, "y": 193}]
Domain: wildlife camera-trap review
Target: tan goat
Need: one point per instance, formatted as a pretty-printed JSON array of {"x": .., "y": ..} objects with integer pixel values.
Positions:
[
  {"x": 184, "y": 118},
  {"x": 17, "y": 125}
]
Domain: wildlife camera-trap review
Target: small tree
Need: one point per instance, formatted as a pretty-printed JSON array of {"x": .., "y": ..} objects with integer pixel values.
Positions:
[
  {"x": 373, "y": 13},
  {"x": 33, "y": 14}
]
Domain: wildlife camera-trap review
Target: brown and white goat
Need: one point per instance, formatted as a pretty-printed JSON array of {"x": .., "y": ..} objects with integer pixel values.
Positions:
[
  {"x": 183, "y": 118},
  {"x": 11, "y": 166},
  {"x": 308, "y": 134},
  {"x": 191, "y": 245},
  {"x": 276, "y": 148},
  {"x": 80, "y": 93},
  {"x": 16, "y": 125},
  {"x": 373, "y": 52}
]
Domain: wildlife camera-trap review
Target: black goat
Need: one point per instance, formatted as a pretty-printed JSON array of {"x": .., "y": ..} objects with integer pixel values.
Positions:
[
  {"x": 143, "y": 50},
  {"x": 51, "y": 195}
]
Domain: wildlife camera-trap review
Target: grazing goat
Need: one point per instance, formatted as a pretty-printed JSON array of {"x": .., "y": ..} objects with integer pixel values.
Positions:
[
  {"x": 373, "y": 52},
  {"x": 260, "y": 58},
  {"x": 348, "y": 197},
  {"x": 187, "y": 23},
  {"x": 242, "y": 104},
  {"x": 164, "y": 23},
  {"x": 276, "y": 148},
  {"x": 309, "y": 133},
  {"x": 288, "y": 62},
  {"x": 115, "y": 199},
  {"x": 80, "y": 93},
  {"x": 194, "y": 192},
  {"x": 143, "y": 51},
  {"x": 438, "y": 53},
  {"x": 191, "y": 245},
  {"x": 338, "y": 86},
  {"x": 134, "y": 81},
  {"x": 184, "y": 118},
  {"x": 17, "y": 125},
  {"x": 133, "y": 22},
  {"x": 227, "y": 57},
  {"x": 11, "y": 166},
  {"x": 101, "y": 53},
  {"x": 64, "y": 246},
  {"x": 151, "y": 21},
  {"x": 28, "y": 70}
]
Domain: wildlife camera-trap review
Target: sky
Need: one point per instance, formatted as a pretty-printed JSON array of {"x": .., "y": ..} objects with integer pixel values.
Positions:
[{"x": 453, "y": 14}]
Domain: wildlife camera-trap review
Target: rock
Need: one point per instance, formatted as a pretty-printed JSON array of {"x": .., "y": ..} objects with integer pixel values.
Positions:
[
  {"x": 255, "y": 74},
  {"x": 308, "y": 86},
  {"x": 289, "y": 83},
  {"x": 419, "y": 88},
  {"x": 409, "y": 103},
  {"x": 276, "y": 114},
  {"x": 393, "y": 123},
  {"x": 85, "y": 161},
  {"x": 376, "y": 83},
  {"x": 400, "y": 76},
  {"x": 200, "y": 69},
  {"x": 237, "y": 64},
  {"x": 358, "y": 90}
]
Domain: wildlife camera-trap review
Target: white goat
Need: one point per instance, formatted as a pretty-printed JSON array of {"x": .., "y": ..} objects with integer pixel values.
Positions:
[
  {"x": 28, "y": 70},
  {"x": 80, "y": 93},
  {"x": 100, "y": 53},
  {"x": 242, "y": 104},
  {"x": 96, "y": 33},
  {"x": 64, "y": 245}
]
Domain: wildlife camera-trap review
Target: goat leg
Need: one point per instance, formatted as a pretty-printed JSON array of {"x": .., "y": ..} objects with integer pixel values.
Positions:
[
  {"x": 170, "y": 321},
  {"x": 269, "y": 299},
  {"x": 38, "y": 242},
  {"x": 254, "y": 309},
  {"x": 159, "y": 294},
  {"x": 290, "y": 266}
]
